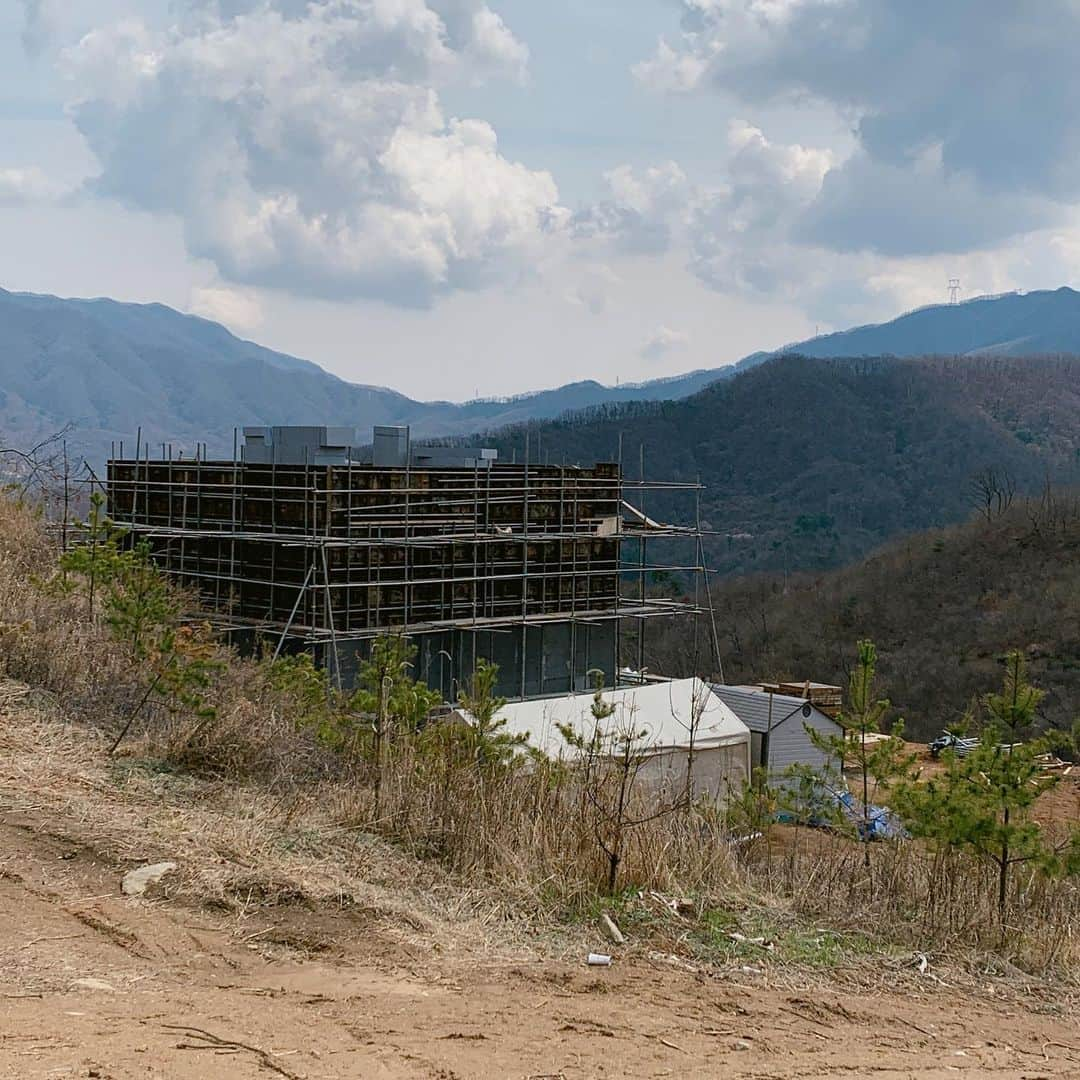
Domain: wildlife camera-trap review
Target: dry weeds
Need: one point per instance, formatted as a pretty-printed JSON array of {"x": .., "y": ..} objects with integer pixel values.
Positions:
[
  {"x": 258, "y": 814},
  {"x": 240, "y": 847}
]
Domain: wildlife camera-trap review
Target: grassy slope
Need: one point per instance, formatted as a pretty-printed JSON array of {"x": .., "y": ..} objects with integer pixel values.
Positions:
[{"x": 254, "y": 789}]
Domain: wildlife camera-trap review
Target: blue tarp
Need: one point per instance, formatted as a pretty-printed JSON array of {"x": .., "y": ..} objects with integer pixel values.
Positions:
[{"x": 880, "y": 823}]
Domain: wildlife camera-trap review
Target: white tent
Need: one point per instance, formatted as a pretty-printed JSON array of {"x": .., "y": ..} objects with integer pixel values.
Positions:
[{"x": 667, "y": 717}]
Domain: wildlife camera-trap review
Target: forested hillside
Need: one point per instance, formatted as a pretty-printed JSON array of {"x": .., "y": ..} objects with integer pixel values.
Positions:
[
  {"x": 943, "y": 606},
  {"x": 810, "y": 464}
]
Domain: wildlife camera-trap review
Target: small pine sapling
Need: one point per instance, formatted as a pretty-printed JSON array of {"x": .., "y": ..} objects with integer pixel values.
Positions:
[
  {"x": 389, "y": 699},
  {"x": 750, "y": 813},
  {"x": 885, "y": 762},
  {"x": 98, "y": 557},
  {"x": 489, "y": 743},
  {"x": 983, "y": 800},
  {"x": 611, "y": 752},
  {"x": 138, "y": 600}
]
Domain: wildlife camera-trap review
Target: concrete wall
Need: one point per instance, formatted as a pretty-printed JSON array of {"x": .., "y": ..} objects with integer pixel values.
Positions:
[{"x": 555, "y": 658}]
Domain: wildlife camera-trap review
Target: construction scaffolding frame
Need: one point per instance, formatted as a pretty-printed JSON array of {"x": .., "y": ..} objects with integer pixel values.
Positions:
[{"x": 323, "y": 557}]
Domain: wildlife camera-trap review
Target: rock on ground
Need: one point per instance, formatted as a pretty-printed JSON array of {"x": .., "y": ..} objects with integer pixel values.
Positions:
[{"x": 136, "y": 881}]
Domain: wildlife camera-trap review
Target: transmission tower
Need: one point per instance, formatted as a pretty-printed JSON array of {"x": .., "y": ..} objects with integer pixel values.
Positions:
[{"x": 954, "y": 290}]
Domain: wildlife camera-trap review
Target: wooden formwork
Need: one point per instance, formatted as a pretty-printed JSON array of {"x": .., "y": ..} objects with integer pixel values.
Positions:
[{"x": 347, "y": 549}]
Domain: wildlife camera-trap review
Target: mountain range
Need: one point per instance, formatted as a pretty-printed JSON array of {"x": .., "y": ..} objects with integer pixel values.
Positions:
[
  {"x": 108, "y": 368},
  {"x": 811, "y": 463},
  {"x": 944, "y": 607},
  {"x": 1012, "y": 324}
]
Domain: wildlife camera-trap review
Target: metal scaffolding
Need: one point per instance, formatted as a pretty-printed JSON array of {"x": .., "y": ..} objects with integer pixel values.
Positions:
[{"x": 325, "y": 555}]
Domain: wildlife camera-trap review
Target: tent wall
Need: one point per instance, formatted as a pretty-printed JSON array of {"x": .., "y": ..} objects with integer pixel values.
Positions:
[{"x": 718, "y": 771}]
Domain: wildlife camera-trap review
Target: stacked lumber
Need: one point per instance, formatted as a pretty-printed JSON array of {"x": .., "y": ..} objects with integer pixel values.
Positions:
[{"x": 827, "y": 698}]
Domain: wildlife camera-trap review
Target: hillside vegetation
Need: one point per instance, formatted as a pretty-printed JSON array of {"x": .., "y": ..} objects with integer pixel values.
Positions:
[
  {"x": 107, "y": 641},
  {"x": 944, "y": 606},
  {"x": 810, "y": 464}
]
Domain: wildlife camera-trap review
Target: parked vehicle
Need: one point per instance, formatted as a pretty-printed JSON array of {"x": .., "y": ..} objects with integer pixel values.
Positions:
[{"x": 959, "y": 745}]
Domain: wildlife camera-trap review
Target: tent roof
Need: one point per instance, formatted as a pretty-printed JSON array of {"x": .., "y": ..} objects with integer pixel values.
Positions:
[{"x": 663, "y": 711}]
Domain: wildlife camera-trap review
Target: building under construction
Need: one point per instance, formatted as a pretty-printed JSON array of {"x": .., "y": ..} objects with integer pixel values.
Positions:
[{"x": 308, "y": 542}]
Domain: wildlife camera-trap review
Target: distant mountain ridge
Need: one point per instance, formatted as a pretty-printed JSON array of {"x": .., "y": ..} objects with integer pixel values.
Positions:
[
  {"x": 109, "y": 367},
  {"x": 810, "y": 463},
  {"x": 1010, "y": 324}
]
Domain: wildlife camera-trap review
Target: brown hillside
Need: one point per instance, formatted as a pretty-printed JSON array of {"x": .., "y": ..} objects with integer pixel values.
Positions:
[{"x": 943, "y": 606}]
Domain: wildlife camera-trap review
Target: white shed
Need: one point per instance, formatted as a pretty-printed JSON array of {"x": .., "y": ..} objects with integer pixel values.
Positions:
[
  {"x": 664, "y": 713},
  {"x": 778, "y": 724}
]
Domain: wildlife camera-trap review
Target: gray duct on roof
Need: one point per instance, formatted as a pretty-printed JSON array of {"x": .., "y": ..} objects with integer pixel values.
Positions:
[
  {"x": 299, "y": 445},
  {"x": 390, "y": 448}
]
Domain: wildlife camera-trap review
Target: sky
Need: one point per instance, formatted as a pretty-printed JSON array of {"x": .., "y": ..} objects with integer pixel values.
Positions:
[{"x": 461, "y": 198}]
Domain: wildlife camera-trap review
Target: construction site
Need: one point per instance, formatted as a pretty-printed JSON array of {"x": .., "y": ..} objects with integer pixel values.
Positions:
[{"x": 308, "y": 539}]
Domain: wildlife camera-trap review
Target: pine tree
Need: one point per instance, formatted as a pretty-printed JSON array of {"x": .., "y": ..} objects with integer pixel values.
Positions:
[
  {"x": 612, "y": 752},
  {"x": 97, "y": 559},
  {"x": 982, "y": 802},
  {"x": 751, "y": 812},
  {"x": 389, "y": 698},
  {"x": 883, "y": 761},
  {"x": 489, "y": 743},
  {"x": 138, "y": 600},
  {"x": 388, "y": 692}
]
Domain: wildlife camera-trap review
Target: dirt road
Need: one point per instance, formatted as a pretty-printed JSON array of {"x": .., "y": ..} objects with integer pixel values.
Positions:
[{"x": 94, "y": 984}]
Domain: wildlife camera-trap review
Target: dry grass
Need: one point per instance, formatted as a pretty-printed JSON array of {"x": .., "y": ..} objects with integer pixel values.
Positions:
[
  {"x": 240, "y": 847},
  {"x": 940, "y": 902},
  {"x": 258, "y": 812}
]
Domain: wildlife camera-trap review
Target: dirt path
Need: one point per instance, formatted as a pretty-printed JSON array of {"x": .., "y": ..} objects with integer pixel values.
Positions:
[{"x": 93, "y": 984}]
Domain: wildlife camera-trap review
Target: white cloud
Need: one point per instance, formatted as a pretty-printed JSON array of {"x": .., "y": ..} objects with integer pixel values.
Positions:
[
  {"x": 963, "y": 112},
  {"x": 414, "y": 40},
  {"x": 673, "y": 70},
  {"x": 51, "y": 24},
  {"x": 664, "y": 341},
  {"x": 914, "y": 209},
  {"x": 734, "y": 233},
  {"x": 751, "y": 233},
  {"x": 641, "y": 212},
  {"x": 21, "y": 187},
  {"x": 769, "y": 180},
  {"x": 239, "y": 309},
  {"x": 304, "y": 146},
  {"x": 842, "y": 169},
  {"x": 594, "y": 288}
]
